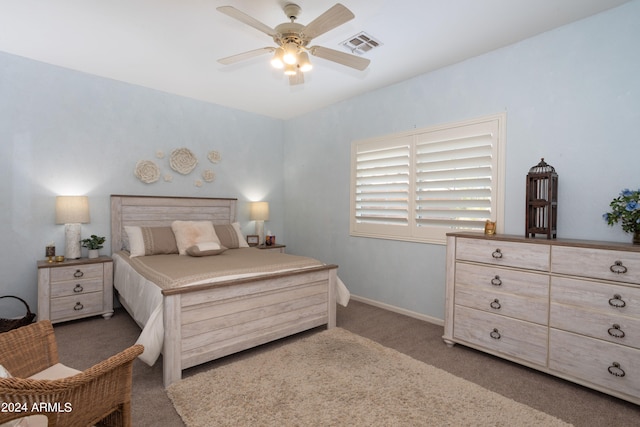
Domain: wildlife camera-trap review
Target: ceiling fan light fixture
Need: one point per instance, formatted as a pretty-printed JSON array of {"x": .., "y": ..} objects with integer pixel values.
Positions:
[
  {"x": 290, "y": 70},
  {"x": 290, "y": 53},
  {"x": 303, "y": 62},
  {"x": 277, "y": 61}
]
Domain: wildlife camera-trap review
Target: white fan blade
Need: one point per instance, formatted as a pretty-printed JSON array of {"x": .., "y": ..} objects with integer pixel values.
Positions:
[
  {"x": 296, "y": 79},
  {"x": 246, "y": 55},
  {"x": 347, "y": 59},
  {"x": 246, "y": 19},
  {"x": 332, "y": 18}
]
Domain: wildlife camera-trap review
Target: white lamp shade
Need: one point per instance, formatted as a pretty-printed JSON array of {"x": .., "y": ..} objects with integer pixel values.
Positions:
[
  {"x": 72, "y": 209},
  {"x": 259, "y": 211}
]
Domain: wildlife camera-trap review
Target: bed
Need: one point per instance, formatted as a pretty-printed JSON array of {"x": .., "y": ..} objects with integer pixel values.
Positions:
[{"x": 198, "y": 317}]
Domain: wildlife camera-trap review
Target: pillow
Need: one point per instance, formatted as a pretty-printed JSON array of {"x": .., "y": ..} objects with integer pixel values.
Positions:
[
  {"x": 206, "y": 249},
  {"x": 190, "y": 233},
  {"x": 4, "y": 373},
  {"x": 231, "y": 236},
  {"x": 151, "y": 241}
]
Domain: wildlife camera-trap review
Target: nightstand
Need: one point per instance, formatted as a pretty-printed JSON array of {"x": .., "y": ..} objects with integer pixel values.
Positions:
[
  {"x": 275, "y": 248},
  {"x": 75, "y": 289}
]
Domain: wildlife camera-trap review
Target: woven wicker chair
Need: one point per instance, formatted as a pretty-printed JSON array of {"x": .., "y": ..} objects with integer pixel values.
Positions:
[{"x": 100, "y": 395}]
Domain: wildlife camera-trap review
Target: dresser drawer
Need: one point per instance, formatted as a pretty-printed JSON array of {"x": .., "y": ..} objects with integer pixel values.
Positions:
[
  {"x": 521, "y": 255},
  {"x": 79, "y": 272},
  {"x": 76, "y": 287},
  {"x": 505, "y": 304},
  {"x": 522, "y": 340},
  {"x": 608, "y": 327},
  {"x": 619, "y": 266},
  {"x": 597, "y": 296},
  {"x": 493, "y": 278},
  {"x": 76, "y": 306},
  {"x": 592, "y": 360}
]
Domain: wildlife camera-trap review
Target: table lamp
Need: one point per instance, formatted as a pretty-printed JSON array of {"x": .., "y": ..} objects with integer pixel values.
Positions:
[
  {"x": 72, "y": 211},
  {"x": 259, "y": 212}
]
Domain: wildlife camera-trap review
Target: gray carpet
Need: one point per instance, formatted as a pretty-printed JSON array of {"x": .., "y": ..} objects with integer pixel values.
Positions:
[{"x": 85, "y": 342}]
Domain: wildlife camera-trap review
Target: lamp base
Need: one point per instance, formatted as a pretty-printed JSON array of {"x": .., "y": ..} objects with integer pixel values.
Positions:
[
  {"x": 260, "y": 230},
  {"x": 72, "y": 241}
]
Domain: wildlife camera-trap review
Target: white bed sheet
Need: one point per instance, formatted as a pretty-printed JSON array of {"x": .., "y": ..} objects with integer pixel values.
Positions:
[{"x": 143, "y": 300}]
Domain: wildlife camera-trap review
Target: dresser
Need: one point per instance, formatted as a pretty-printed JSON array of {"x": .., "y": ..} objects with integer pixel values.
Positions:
[
  {"x": 75, "y": 289},
  {"x": 569, "y": 308}
]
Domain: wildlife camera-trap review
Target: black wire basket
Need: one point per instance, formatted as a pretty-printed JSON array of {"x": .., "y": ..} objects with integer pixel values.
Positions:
[{"x": 9, "y": 324}]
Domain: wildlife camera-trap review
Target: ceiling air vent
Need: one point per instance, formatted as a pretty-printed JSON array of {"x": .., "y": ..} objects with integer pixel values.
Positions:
[{"x": 361, "y": 43}]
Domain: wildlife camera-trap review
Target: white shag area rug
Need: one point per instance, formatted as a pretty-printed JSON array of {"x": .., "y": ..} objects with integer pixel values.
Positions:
[{"x": 336, "y": 378}]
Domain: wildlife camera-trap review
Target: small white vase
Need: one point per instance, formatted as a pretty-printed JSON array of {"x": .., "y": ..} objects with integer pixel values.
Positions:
[{"x": 94, "y": 253}]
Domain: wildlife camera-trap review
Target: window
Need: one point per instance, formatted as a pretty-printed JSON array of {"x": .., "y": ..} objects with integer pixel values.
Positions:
[{"x": 422, "y": 184}]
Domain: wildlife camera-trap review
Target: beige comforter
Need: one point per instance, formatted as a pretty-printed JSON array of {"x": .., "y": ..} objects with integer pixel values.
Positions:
[{"x": 172, "y": 271}]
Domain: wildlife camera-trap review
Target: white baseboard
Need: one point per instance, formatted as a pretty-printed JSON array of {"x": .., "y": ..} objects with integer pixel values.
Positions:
[{"x": 399, "y": 310}]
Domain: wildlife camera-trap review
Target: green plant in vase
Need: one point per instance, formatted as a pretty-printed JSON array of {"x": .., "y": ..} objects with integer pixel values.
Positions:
[
  {"x": 625, "y": 209},
  {"x": 93, "y": 244}
]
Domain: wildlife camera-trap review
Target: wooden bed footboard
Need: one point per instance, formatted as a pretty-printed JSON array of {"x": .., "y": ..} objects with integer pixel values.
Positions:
[{"x": 211, "y": 321}]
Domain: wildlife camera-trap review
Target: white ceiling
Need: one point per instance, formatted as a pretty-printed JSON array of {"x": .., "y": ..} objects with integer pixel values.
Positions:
[{"x": 173, "y": 45}]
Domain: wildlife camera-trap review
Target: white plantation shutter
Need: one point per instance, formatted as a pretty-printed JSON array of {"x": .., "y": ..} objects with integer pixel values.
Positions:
[
  {"x": 382, "y": 183},
  {"x": 420, "y": 185}
]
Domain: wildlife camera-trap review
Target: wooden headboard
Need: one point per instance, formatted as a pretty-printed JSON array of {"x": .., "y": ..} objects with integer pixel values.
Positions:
[{"x": 158, "y": 211}]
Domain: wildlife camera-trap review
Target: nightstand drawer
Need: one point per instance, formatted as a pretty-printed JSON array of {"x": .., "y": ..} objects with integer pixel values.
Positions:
[
  {"x": 78, "y": 272},
  {"x": 76, "y": 287},
  {"x": 76, "y": 306},
  {"x": 516, "y": 338}
]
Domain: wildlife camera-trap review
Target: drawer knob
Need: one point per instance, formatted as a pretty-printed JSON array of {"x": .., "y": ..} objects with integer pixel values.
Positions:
[
  {"x": 617, "y": 301},
  {"x": 78, "y": 306},
  {"x": 78, "y": 274},
  {"x": 618, "y": 268},
  {"x": 78, "y": 288},
  {"x": 615, "y": 331},
  {"x": 495, "y": 334},
  {"x": 496, "y": 281},
  {"x": 497, "y": 253},
  {"x": 495, "y": 304},
  {"x": 616, "y": 370}
]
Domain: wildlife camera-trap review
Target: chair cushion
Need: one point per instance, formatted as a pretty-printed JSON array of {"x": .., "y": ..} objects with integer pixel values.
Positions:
[{"x": 55, "y": 372}]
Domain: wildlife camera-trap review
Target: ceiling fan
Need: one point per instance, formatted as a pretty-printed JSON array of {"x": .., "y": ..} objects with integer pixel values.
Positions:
[{"x": 292, "y": 39}]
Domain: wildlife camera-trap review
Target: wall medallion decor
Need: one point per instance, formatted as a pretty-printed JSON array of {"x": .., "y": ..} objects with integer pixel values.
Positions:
[
  {"x": 214, "y": 156},
  {"x": 208, "y": 175},
  {"x": 183, "y": 161},
  {"x": 147, "y": 171},
  {"x": 542, "y": 201}
]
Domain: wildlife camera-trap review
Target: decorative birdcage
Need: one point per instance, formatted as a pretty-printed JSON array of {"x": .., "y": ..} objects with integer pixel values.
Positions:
[{"x": 542, "y": 201}]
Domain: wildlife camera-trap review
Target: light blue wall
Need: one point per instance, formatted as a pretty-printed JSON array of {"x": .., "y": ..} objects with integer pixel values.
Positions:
[
  {"x": 65, "y": 132},
  {"x": 571, "y": 96}
]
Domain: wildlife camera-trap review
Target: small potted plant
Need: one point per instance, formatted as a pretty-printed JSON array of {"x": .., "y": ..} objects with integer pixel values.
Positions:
[
  {"x": 93, "y": 244},
  {"x": 625, "y": 209}
]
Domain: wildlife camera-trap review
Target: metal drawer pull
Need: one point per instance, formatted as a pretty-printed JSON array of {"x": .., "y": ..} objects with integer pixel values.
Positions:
[
  {"x": 78, "y": 288},
  {"x": 495, "y": 304},
  {"x": 496, "y": 281},
  {"x": 497, "y": 253},
  {"x": 78, "y": 306},
  {"x": 615, "y": 331},
  {"x": 495, "y": 334},
  {"x": 618, "y": 268},
  {"x": 616, "y": 370},
  {"x": 78, "y": 274},
  {"x": 617, "y": 301}
]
